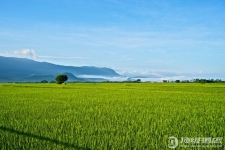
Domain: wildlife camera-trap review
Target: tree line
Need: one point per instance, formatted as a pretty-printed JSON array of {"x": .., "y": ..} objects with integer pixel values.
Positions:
[
  {"x": 61, "y": 78},
  {"x": 197, "y": 81}
]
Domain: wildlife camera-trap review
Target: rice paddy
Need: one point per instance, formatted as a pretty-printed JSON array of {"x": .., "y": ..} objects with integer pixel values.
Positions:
[{"x": 108, "y": 115}]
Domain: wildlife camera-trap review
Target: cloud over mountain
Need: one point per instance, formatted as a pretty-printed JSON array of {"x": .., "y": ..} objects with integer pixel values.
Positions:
[{"x": 25, "y": 53}]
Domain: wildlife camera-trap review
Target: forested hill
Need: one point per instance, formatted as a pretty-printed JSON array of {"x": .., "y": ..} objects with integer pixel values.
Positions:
[{"x": 12, "y": 68}]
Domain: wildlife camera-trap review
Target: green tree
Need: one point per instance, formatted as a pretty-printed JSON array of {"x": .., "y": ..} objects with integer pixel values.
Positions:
[
  {"x": 44, "y": 81},
  {"x": 177, "y": 81},
  {"x": 164, "y": 81},
  {"x": 61, "y": 78},
  {"x": 138, "y": 80},
  {"x": 197, "y": 80},
  {"x": 203, "y": 81}
]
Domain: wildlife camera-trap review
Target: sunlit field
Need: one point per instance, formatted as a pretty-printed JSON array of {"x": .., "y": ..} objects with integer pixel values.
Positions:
[{"x": 108, "y": 115}]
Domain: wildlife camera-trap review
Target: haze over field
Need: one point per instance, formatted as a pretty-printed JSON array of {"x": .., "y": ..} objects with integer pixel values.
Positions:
[{"x": 168, "y": 39}]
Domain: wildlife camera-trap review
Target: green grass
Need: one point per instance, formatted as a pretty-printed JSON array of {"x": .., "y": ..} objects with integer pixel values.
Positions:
[{"x": 108, "y": 115}]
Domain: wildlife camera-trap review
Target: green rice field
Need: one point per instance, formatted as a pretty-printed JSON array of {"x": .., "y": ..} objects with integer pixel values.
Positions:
[{"x": 116, "y": 116}]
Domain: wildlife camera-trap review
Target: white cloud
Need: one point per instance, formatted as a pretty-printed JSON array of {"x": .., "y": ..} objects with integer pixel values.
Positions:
[
  {"x": 119, "y": 78},
  {"x": 159, "y": 75},
  {"x": 152, "y": 73},
  {"x": 25, "y": 53},
  {"x": 72, "y": 57}
]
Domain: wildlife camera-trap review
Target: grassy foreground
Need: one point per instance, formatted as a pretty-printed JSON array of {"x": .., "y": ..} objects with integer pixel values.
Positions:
[{"x": 108, "y": 115}]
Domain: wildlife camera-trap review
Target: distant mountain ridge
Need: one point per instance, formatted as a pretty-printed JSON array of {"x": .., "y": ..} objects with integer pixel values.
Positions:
[{"x": 22, "y": 69}]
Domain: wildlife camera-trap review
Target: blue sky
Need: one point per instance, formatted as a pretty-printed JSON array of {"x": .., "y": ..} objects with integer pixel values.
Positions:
[{"x": 134, "y": 37}]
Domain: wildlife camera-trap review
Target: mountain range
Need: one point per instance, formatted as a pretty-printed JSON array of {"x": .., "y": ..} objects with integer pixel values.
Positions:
[{"x": 26, "y": 70}]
